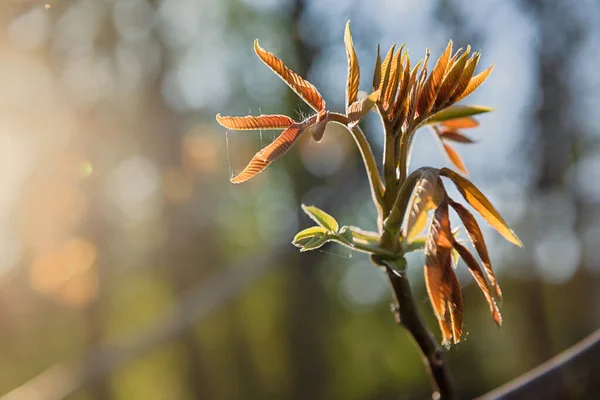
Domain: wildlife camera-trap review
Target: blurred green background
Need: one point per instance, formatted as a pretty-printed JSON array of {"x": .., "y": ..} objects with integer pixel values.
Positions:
[{"x": 130, "y": 268}]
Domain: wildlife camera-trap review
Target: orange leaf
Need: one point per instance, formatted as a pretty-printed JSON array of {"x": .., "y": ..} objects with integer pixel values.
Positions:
[
  {"x": 395, "y": 72},
  {"x": 402, "y": 92},
  {"x": 437, "y": 253},
  {"x": 426, "y": 196},
  {"x": 455, "y": 303},
  {"x": 455, "y": 158},
  {"x": 451, "y": 79},
  {"x": 255, "y": 123},
  {"x": 478, "y": 241},
  {"x": 483, "y": 206},
  {"x": 431, "y": 87},
  {"x": 302, "y": 87},
  {"x": 461, "y": 123},
  {"x": 318, "y": 129},
  {"x": 353, "y": 68},
  {"x": 440, "y": 280},
  {"x": 465, "y": 77},
  {"x": 447, "y": 335},
  {"x": 359, "y": 109},
  {"x": 477, "y": 273},
  {"x": 255, "y": 166},
  {"x": 475, "y": 82},
  {"x": 377, "y": 70},
  {"x": 385, "y": 72},
  {"x": 268, "y": 154}
]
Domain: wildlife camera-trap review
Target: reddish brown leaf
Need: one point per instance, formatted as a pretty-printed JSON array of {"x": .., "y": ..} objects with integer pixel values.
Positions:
[
  {"x": 483, "y": 206},
  {"x": 451, "y": 79},
  {"x": 255, "y": 123},
  {"x": 359, "y": 109},
  {"x": 478, "y": 241},
  {"x": 255, "y": 166},
  {"x": 456, "y": 159},
  {"x": 440, "y": 280},
  {"x": 437, "y": 253},
  {"x": 317, "y": 130},
  {"x": 447, "y": 335},
  {"x": 377, "y": 70},
  {"x": 475, "y": 82},
  {"x": 395, "y": 73},
  {"x": 477, "y": 273},
  {"x": 461, "y": 123},
  {"x": 455, "y": 136},
  {"x": 431, "y": 86},
  {"x": 402, "y": 92},
  {"x": 353, "y": 79},
  {"x": 417, "y": 88},
  {"x": 268, "y": 154},
  {"x": 455, "y": 303},
  {"x": 454, "y": 58},
  {"x": 465, "y": 77},
  {"x": 426, "y": 196},
  {"x": 302, "y": 87},
  {"x": 385, "y": 72}
]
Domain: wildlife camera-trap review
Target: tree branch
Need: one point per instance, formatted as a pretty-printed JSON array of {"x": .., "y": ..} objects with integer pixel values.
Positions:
[
  {"x": 547, "y": 381},
  {"x": 408, "y": 316}
]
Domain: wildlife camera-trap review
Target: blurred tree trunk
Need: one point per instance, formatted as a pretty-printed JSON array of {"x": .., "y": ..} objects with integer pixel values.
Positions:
[
  {"x": 186, "y": 247},
  {"x": 560, "y": 34},
  {"x": 305, "y": 294}
]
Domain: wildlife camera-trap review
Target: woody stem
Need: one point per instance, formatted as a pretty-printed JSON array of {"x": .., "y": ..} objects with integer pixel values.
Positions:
[{"x": 408, "y": 316}]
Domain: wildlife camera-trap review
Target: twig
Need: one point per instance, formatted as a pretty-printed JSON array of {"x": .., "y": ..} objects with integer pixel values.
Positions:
[
  {"x": 547, "y": 380},
  {"x": 408, "y": 316}
]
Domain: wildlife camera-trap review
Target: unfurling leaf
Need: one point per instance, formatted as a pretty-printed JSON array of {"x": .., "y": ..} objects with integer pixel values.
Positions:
[
  {"x": 377, "y": 70},
  {"x": 433, "y": 83},
  {"x": 353, "y": 79},
  {"x": 477, "y": 273},
  {"x": 317, "y": 130},
  {"x": 452, "y": 78},
  {"x": 475, "y": 82},
  {"x": 483, "y": 206},
  {"x": 456, "y": 112},
  {"x": 360, "y": 108},
  {"x": 437, "y": 253},
  {"x": 262, "y": 122},
  {"x": 426, "y": 196},
  {"x": 315, "y": 242},
  {"x": 385, "y": 72},
  {"x": 454, "y": 253},
  {"x": 402, "y": 93},
  {"x": 302, "y": 87},
  {"x": 461, "y": 123},
  {"x": 478, "y": 241},
  {"x": 465, "y": 77},
  {"x": 364, "y": 235},
  {"x": 321, "y": 217},
  {"x": 452, "y": 135},
  {"x": 266, "y": 155},
  {"x": 455, "y": 159},
  {"x": 440, "y": 280},
  {"x": 305, "y": 235},
  {"x": 395, "y": 75},
  {"x": 345, "y": 235},
  {"x": 455, "y": 304}
]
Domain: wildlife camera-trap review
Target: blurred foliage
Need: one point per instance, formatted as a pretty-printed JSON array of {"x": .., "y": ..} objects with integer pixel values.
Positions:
[{"x": 115, "y": 201}]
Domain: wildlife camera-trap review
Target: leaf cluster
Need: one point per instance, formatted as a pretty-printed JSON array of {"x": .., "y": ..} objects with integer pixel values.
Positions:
[{"x": 406, "y": 97}]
